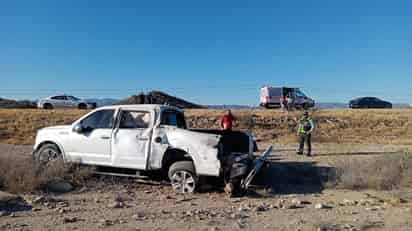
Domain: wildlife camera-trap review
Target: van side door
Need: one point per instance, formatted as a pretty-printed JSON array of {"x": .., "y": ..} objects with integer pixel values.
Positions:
[{"x": 132, "y": 137}]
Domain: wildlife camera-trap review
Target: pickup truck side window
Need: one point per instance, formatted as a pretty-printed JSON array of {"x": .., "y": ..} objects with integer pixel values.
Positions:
[
  {"x": 102, "y": 119},
  {"x": 173, "y": 118},
  {"x": 134, "y": 120}
]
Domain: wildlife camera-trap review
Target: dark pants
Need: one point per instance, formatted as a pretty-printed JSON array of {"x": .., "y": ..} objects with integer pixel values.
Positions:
[{"x": 305, "y": 138}]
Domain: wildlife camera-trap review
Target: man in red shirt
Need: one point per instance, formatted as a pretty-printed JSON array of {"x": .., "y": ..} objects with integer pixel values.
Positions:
[{"x": 226, "y": 122}]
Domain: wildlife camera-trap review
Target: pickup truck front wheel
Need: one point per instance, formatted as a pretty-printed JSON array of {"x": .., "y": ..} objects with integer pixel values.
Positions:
[
  {"x": 47, "y": 153},
  {"x": 183, "y": 177}
]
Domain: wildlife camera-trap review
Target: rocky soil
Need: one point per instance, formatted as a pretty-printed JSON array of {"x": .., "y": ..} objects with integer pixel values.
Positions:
[{"x": 290, "y": 195}]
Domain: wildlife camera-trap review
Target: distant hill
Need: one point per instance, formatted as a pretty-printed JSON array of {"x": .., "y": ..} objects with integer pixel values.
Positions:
[
  {"x": 345, "y": 105},
  {"x": 331, "y": 105},
  {"x": 401, "y": 105},
  {"x": 321, "y": 105},
  {"x": 158, "y": 97},
  {"x": 318, "y": 105},
  {"x": 8, "y": 103},
  {"x": 103, "y": 102},
  {"x": 231, "y": 106}
]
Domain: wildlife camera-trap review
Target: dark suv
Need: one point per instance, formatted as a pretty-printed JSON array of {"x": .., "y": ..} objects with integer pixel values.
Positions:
[{"x": 369, "y": 102}]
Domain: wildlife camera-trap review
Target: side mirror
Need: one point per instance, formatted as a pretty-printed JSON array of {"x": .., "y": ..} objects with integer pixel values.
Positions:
[{"x": 78, "y": 128}]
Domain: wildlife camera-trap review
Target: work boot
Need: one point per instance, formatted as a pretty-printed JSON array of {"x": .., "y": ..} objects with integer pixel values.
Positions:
[
  {"x": 299, "y": 153},
  {"x": 309, "y": 155}
]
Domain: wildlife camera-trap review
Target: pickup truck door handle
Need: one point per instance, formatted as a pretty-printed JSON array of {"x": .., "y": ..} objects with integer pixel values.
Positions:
[
  {"x": 105, "y": 137},
  {"x": 142, "y": 139}
]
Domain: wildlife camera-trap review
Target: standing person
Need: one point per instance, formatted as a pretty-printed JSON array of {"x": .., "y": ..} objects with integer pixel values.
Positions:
[
  {"x": 305, "y": 130},
  {"x": 289, "y": 101},
  {"x": 226, "y": 122},
  {"x": 284, "y": 103}
]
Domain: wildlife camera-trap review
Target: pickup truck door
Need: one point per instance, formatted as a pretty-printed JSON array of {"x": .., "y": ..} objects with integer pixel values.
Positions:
[
  {"x": 132, "y": 139},
  {"x": 92, "y": 145}
]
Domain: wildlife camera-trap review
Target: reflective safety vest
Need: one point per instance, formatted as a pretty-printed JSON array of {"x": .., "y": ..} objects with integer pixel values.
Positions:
[{"x": 306, "y": 124}]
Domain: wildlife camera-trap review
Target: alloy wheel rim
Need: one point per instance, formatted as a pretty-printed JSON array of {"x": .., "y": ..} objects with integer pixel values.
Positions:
[
  {"x": 183, "y": 182},
  {"x": 48, "y": 155}
]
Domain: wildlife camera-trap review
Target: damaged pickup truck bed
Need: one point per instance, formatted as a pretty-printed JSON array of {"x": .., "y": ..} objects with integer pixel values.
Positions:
[{"x": 145, "y": 138}]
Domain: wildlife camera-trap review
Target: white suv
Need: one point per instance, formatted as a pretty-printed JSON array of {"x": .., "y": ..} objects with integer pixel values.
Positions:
[
  {"x": 145, "y": 138},
  {"x": 64, "y": 101}
]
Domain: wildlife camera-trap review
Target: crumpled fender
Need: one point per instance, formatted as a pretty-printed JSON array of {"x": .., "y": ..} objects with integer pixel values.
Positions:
[
  {"x": 202, "y": 148},
  {"x": 49, "y": 137}
]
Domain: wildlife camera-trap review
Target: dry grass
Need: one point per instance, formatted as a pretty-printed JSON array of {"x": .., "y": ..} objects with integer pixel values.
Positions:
[
  {"x": 333, "y": 126},
  {"x": 18, "y": 176},
  {"x": 19, "y": 126},
  {"x": 386, "y": 172}
]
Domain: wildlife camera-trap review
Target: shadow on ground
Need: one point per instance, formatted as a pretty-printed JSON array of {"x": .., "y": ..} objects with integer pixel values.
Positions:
[
  {"x": 293, "y": 178},
  {"x": 15, "y": 207},
  {"x": 356, "y": 154}
]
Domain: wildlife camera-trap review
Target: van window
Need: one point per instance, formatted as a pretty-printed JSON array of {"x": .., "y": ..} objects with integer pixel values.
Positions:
[{"x": 300, "y": 94}]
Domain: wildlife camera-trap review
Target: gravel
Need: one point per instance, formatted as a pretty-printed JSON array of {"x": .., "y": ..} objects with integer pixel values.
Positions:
[{"x": 15, "y": 151}]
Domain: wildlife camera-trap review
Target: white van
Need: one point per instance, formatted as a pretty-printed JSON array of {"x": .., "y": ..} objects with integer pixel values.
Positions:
[{"x": 272, "y": 97}]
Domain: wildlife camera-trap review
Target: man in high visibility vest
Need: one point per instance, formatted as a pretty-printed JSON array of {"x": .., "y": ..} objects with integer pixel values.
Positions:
[{"x": 305, "y": 130}]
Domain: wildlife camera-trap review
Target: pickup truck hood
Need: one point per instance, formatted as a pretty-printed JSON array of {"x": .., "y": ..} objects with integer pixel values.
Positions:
[{"x": 56, "y": 128}]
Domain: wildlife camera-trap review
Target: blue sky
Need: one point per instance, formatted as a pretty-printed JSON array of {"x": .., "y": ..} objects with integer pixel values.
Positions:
[{"x": 210, "y": 52}]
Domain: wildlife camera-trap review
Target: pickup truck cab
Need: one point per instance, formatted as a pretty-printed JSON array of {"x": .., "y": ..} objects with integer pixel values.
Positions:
[{"x": 149, "y": 138}]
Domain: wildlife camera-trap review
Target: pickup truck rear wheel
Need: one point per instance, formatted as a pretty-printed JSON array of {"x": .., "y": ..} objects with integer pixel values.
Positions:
[
  {"x": 183, "y": 177},
  {"x": 47, "y": 153}
]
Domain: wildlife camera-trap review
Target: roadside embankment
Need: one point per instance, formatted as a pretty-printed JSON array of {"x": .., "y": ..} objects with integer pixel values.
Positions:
[{"x": 19, "y": 126}]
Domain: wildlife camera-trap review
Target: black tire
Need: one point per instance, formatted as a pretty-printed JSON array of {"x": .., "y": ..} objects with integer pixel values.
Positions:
[
  {"x": 47, "y": 106},
  {"x": 82, "y": 106},
  {"x": 183, "y": 177},
  {"x": 305, "y": 106},
  {"x": 47, "y": 153}
]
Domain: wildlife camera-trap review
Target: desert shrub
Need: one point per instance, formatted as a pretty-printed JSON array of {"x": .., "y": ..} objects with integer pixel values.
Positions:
[
  {"x": 385, "y": 172},
  {"x": 26, "y": 175}
]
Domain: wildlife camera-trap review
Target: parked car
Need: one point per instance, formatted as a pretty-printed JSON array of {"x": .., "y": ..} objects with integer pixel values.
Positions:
[
  {"x": 146, "y": 138},
  {"x": 64, "y": 101},
  {"x": 271, "y": 97},
  {"x": 369, "y": 102}
]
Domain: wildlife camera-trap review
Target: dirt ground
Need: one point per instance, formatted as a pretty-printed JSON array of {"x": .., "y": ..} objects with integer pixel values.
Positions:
[{"x": 287, "y": 197}]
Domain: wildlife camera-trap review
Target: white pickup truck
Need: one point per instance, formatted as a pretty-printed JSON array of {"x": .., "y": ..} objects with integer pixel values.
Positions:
[{"x": 145, "y": 138}]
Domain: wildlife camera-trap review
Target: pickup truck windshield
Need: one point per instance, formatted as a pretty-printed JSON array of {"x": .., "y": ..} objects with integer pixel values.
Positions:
[{"x": 173, "y": 118}]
